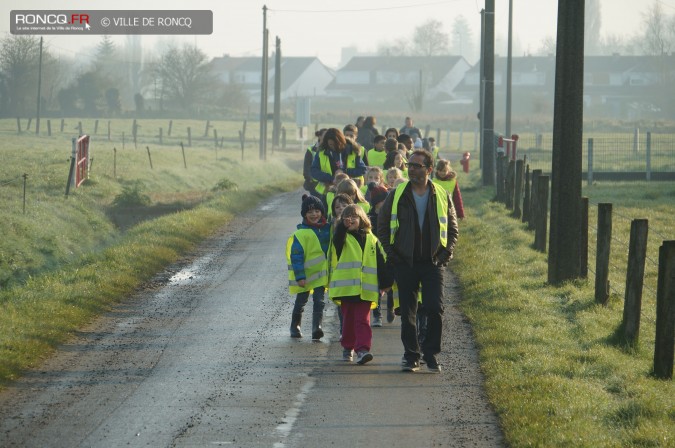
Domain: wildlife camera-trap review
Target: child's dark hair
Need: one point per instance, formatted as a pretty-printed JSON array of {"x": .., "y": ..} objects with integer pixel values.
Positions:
[
  {"x": 379, "y": 138},
  {"x": 356, "y": 210},
  {"x": 340, "y": 198}
]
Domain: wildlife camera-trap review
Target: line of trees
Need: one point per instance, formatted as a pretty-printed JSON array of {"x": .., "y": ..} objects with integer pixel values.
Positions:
[{"x": 111, "y": 81}]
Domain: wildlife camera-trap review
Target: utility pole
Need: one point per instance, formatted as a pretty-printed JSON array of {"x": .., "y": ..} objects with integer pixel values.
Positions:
[
  {"x": 564, "y": 242},
  {"x": 263, "y": 91},
  {"x": 509, "y": 69},
  {"x": 481, "y": 86},
  {"x": 488, "y": 149},
  {"x": 39, "y": 94},
  {"x": 276, "y": 130}
]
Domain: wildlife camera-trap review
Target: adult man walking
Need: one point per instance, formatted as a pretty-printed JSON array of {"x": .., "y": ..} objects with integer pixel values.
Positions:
[{"x": 417, "y": 227}]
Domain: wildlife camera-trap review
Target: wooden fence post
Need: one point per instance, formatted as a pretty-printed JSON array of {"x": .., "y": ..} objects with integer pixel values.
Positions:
[
  {"x": 49, "y": 128},
  {"x": 108, "y": 130},
  {"x": 241, "y": 142},
  {"x": 149, "y": 158},
  {"x": 114, "y": 163},
  {"x": 501, "y": 189},
  {"x": 168, "y": 133},
  {"x": 160, "y": 135},
  {"x": 510, "y": 184},
  {"x": 604, "y": 245},
  {"x": 665, "y": 312},
  {"x": 182, "y": 148},
  {"x": 63, "y": 123},
  {"x": 583, "y": 239},
  {"x": 283, "y": 137},
  {"x": 96, "y": 127},
  {"x": 134, "y": 131},
  {"x": 189, "y": 136},
  {"x": 637, "y": 252},
  {"x": 79, "y": 128},
  {"x": 533, "y": 200},
  {"x": 30, "y": 120},
  {"x": 527, "y": 198},
  {"x": 206, "y": 129},
  {"x": 518, "y": 194},
  {"x": 542, "y": 214},
  {"x": 18, "y": 125}
]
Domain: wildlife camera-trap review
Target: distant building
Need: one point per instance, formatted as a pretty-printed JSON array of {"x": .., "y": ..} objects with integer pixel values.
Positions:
[
  {"x": 300, "y": 76},
  {"x": 626, "y": 87},
  {"x": 386, "y": 79}
]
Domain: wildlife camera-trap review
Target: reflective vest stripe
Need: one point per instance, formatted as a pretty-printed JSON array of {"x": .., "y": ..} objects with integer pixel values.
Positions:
[
  {"x": 315, "y": 263},
  {"x": 441, "y": 212},
  {"x": 355, "y": 272}
]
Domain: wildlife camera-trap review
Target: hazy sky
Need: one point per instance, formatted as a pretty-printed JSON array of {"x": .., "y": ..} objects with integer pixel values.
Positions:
[{"x": 322, "y": 29}]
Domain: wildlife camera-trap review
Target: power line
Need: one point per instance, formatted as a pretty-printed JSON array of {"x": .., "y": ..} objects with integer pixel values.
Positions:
[{"x": 351, "y": 10}]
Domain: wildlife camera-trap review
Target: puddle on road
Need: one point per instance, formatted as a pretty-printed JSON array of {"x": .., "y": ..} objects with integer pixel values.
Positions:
[
  {"x": 270, "y": 205},
  {"x": 284, "y": 429},
  {"x": 191, "y": 272}
]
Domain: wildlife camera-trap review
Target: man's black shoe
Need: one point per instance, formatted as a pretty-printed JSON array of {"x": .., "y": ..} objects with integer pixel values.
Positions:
[
  {"x": 410, "y": 366},
  {"x": 432, "y": 365}
]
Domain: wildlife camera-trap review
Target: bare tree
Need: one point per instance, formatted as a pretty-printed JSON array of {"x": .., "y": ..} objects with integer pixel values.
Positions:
[
  {"x": 19, "y": 63},
  {"x": 462, "y": 39},
  {"x": 185, "y": 75},
  {"x": 430, "y": 40},
  {"x": 547, "y": 47},
  {"x": 658, "y": 35},
  {"x": 592, "y": 25}
]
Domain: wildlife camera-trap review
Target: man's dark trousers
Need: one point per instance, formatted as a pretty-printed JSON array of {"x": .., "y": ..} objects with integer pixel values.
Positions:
[{"x": 408, "y": 280}]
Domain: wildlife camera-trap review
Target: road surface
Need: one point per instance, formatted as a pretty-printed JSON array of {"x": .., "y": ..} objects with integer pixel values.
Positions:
[{"x": 202, "y": 357}]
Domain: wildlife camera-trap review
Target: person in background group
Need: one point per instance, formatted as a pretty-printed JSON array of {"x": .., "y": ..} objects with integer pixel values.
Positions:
[
  {"x": 396, "y": 159},
  {"x": 446, "y": 177},
  {"x": 310, "y": 183},
  {"x": 340, "y": 202},
  {"x": 349, "y": 187},
  {"x": 351, "y": 133},
  {"x": 357, "y": 277},
  {"x": 306, "y": 252},
  {"x": 359, "y": 121},
  {"x": 417, "y": 226},
  {"x": 336, "y": 155},
  {"x": 408, "y": 142},
  {"x": 377, "y": 193},
  {"x": 410, "y": 129},
  {"x": 391, "y": 133},
  {"x": 377, "y": 154},
  {"x": 374, "y": 174},
  {"x": 393, "y": 174},
  {"x": 367, "y": 133},
  {"x": 332, "y": 191},
  {"x": 433, "y": 149}
]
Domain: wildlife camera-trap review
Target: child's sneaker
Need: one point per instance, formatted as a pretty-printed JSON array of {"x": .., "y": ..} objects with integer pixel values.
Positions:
[
  {"x": 347, "y": 354},
  {"x": 363, "y": 357}
]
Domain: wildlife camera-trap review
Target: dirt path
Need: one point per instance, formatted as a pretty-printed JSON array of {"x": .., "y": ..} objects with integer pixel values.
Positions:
[{"x": 202, "y": 357}]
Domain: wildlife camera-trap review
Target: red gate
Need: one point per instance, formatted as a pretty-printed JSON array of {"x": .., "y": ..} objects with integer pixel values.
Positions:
[{"x": 82, "y": 160}]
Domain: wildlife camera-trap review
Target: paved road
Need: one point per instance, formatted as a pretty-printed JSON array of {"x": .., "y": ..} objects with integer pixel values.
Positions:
[{"x": 202, "y": 357}]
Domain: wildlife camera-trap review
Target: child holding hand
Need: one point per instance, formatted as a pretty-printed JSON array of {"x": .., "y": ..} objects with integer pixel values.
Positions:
[
  {"x": 357, "y": 277},
  {"x": 306, "y": 251}
]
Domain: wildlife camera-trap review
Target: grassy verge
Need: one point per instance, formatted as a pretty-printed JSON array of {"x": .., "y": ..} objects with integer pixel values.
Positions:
[
  {"x": 555, "y": 372},
  {"x": 63, "y": 261}
]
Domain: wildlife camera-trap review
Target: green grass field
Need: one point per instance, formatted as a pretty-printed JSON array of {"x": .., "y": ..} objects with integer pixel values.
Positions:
[{"x": 554, "y": 369}]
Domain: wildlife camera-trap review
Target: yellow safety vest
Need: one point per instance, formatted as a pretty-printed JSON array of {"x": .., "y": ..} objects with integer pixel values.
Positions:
[
  {"x": 448, "y": 185},
  {"x": 325, "y": 167},
  {"x": 316, "y": 264},
  {"x": 376, "y": 158},
  {"x": 355, "y": 272},
  {"x": 441, "y": 211}
]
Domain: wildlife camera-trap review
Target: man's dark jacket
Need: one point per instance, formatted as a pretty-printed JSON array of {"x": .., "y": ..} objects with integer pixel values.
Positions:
[{"x": 404, "y": 240}]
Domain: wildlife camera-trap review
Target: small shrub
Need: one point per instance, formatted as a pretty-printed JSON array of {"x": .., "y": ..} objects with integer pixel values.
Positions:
[
  {"x": 132, "y": 195},
  {"x": 225, "y": 184}
]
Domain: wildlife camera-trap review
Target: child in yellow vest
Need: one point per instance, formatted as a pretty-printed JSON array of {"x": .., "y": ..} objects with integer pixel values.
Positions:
[
  {"x": 446, "y": 177},
  {"x": 306, "y": 251},
  {"x": 357, "y": 277}
]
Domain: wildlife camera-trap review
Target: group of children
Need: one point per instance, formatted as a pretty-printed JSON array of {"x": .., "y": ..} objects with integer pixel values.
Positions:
[{"x": 335, "y": 248}]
